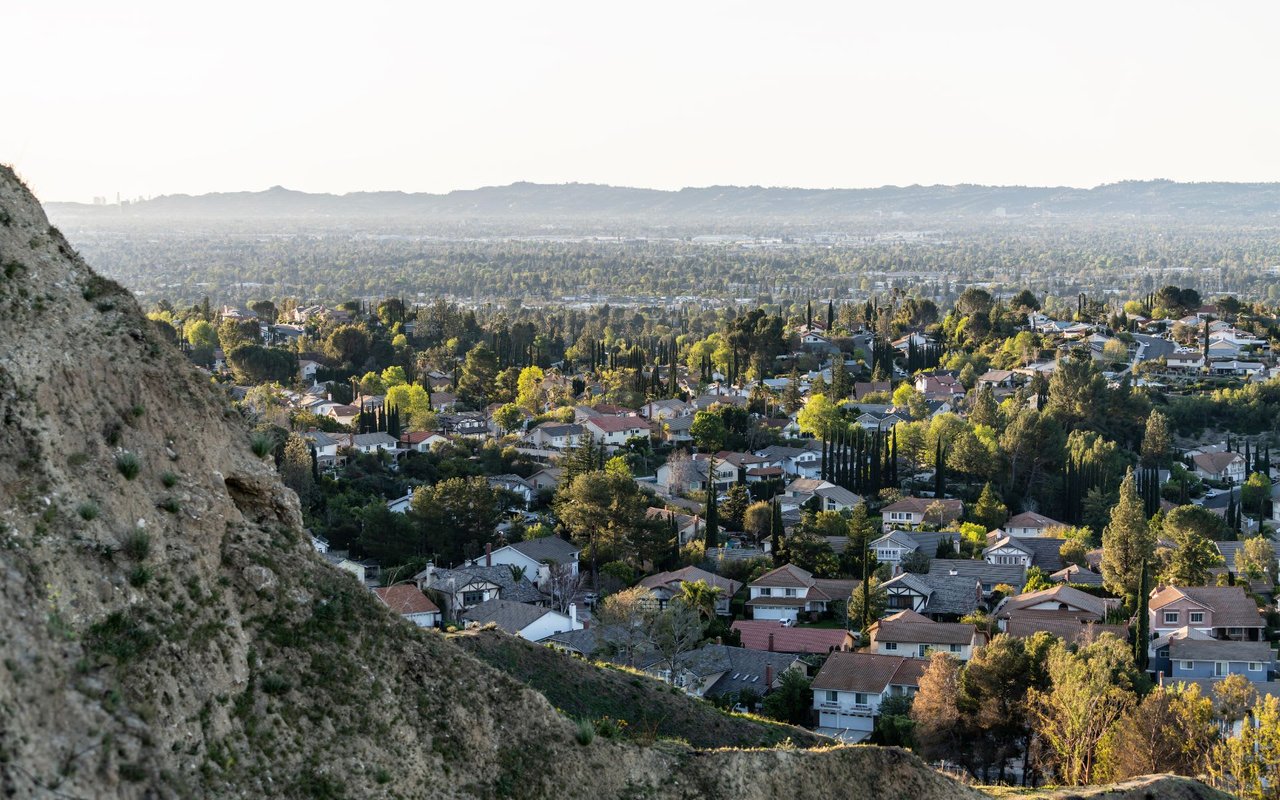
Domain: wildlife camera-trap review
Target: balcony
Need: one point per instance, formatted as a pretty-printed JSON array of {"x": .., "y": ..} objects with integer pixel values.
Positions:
[{"x": 848, "y": 709}]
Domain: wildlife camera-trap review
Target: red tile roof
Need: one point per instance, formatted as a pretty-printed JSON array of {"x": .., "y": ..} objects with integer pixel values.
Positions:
[
  {"x": 405, "y": 598},
  {"x": 755, "y": 636}
]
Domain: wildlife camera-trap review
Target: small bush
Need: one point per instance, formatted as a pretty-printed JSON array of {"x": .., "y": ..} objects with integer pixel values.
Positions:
[
  {"x": 586, "y": 732},
  {"x": 129, "y": 465},
  {"x": 140, "y": 576},
  {"x": 275, "y": 683},
  {"x": 137, "y": 545},
  {"x": 611, "y": 728},
  {"x": 88, "y": 510},
  {"x": 133, "y": 773},
  {"x": 138, "y": 410},
  {"x": 169, "y": 479},
  {"x": 171, "y": 505},
  {"x": 78, "y": 459},
  {"x": 382, "y": 775},
  {"x": 121, "y": 637},
  {"x": 262, "y": 445}
]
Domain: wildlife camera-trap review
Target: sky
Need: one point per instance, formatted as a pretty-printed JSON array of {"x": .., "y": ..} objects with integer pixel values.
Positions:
[{"x": 146, "y": 98}]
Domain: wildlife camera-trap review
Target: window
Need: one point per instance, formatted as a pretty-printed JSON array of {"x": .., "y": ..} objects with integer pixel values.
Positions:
[
  {"x": 890, "y": 645},
  {"x": 955, "y": 648},
  {"x": 766, "y": 592},
  {"x": 1171, "y": 618},
  {"x": 924, "y": 648},
  {"x": 1219, "y": 669},
  {"x": 1185, "y": 665},
  {"x": 860, "y": 699},
  {"x": 472, "y": 598},
  {"x": 1196, "y": 617},
  {"x": 832, "y": 697},
  {"x": 790, "y": 592}
]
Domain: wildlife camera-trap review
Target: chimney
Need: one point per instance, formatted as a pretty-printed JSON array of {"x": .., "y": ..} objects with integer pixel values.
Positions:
[
  {"x": 573, "y": 616},
  {"x": 770, "y": 642},
  {"x": 488, "y": 554},
  {"x": 1160, "y": 678},
  {"x": 768, "y": 675},
  {"x": 897, "y": 570},
  {"x": 719, "y": 640}
]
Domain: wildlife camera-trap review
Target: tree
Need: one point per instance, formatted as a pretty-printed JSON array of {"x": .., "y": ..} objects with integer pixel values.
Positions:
[
  {"x": 735, "y": 506},
  {"x": 623, "y": 619},
  {"x": 508, "y": 417},
  {"x": 700, "y": 596},
  {"x": 479, "y": 371},
  {"x": 1255, "y": 495},
  {"x": 1191, "y": 558},
  {"x": 1075, "y": 391},
  {"x": 1171, "y": 730},
  {"x": 1037, "y": 580},
  {"x": 1091, "y": 689},
  {"x": 868, "y": 604},
  {"x": 200, "y": 334},
  {"x": 819, "y": 416},
  {"x": 602, "y": 512},
  {"x": 1248, "y": 765},
  {"x": 711, "y": 516},
  {"x": 993, "y": 689},
  {"x": 674, "y": 631},
  {"x": 529, "y": 392},
  {"x": 1256, "y": 558},
  {"x": 708, "y": 431},
  {"x": 1234, "y": 696},
  {"x": 349, "y": 344},
  {"x": 792, "y": 701},
  {"x": 1126, "y": 541},
  {"x": 296, "y": 468},
  {"x": 253, "y": 363},
  {"x": 563, "y": 583},
  {"x": 1073, "y": 551},
  {"x": 390, "y": 538},
  {"x": 756, "y": 519},
  {"x": 1156, "y": 441},
  {"x": 457, "y": 517},
  {"x": 942, "y": 731},
  {"x": 915, "y": 562},
  {"x": 989, "y": 511}
]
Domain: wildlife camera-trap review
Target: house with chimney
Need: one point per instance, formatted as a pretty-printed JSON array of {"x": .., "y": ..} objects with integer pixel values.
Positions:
[
  {"x": 896, "y": 544},
  {"x": 913, "y": 635},
  {"x": 457, "y": 590},
  {"x": 1029, "y": 523},
  {"x": 772, "y": 635},
  {"x": 1064, "y": 611},
  {"x": 527, "y": 621},
  {"x": 848, "y": 690},
  {"x": 789, "y": 591},
  {"x": 1036, "y": 551},
  {"x": 826, "y": 495},
  {"x": 1222, "y": 612},
  {"x": 943, "y": 594},
  {"x": 535, "y": 558},
  {"x": 721, "y": 672}
]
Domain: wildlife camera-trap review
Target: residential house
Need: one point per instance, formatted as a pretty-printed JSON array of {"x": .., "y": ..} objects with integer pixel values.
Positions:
[
  {"x": 863, "y": 388},
  {"x": 910, "y": 512},
  {"x": 913, "y": 635},
  {"x": 1226, "y": 466},
  {"x": 786, "y": 592},
  {"x": 1224, "y": 612},
  {"x": 370, "y": 443},
  {"x": 1029, "y": 523},
  {"x": 688, "y": 526},
  {"x": 1190, "y": 655},
  {"x": 665, "y": 409},
  {"x": 894, "y": 545},
  {"x": 402, "y": 504},
  {"x": 1035, "y": 551},
  {"x": 342, "y": 562},
  {"x": 1063, "y": 611},
  {"x": 795, "y": 462},
  {"x": 456, "y": 590},
  {"x": 546, "y": 479},
  {"x": 827, "y": 495},
  {"x": 998, "y": 379},
  {"x": 531, "y": 622},
  {"x": 1076, "y": 574},
  {"x": 720, "y": 671},
  {"x": 665, "y": 586},
  {"x": 343, "y": 415},
  {"x": 677, "y": 430},
  {"x": 613, "y": 432},
  {"x": 774, "y": 636},
  {"x": 555, "y": 435},
  {"x": 421, "y": 441},
  {"x": 535, "y": 558},
  {"x": 848, "y": 690},
  {"x": 942, "y": 595},
  {"x": 408, "y": 601},
  {"x": 988, "y": 575},
  {"x": 326, "y": 447},
  {"x": 516, "y": 485}
]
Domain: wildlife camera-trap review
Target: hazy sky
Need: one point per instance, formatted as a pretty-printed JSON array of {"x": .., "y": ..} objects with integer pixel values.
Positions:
[{"x": 147, "y": 98}]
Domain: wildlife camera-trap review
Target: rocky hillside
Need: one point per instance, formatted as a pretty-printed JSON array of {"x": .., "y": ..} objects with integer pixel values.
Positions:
[{"x": 168, "y": 631}]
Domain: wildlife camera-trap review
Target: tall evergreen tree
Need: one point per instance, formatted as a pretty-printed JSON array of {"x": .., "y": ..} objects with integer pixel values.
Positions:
[
  {"x": 712, "y": 515},
  {"x": 1127, "y": 542},
  {"x": 1142, "y": 637},
  {"x": 775, "y": 534}
]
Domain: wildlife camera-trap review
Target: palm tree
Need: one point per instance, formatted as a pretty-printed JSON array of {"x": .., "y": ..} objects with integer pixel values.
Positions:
[{"x": 701, "y": 596}]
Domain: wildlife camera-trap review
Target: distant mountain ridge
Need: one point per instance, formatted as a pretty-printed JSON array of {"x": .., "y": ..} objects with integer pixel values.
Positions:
[{"x": 579, "y": 200}]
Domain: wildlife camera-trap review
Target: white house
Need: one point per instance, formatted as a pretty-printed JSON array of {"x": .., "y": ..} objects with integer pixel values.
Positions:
[
  {"x": 534, "y": 623},
  {"x": 613, "y": 432},
  {"x": 785, "y": 592},
  {"x": 848, "y": 690},
  {"x": 1224, "y": 466},
  {"x": 421, "y": 441},
  {"x": 1029, "y": 523},
  {"x": 408, "y": 601},
  {"x": 536, "y": 557},
  {"x": 909, "y": 512},
  {"x": 555, "y": 435},
  {"x": 829, "y": 496}
]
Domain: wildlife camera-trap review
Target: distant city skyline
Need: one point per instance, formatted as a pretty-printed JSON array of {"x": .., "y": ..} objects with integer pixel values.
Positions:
[{"x": 149, "y": 98}]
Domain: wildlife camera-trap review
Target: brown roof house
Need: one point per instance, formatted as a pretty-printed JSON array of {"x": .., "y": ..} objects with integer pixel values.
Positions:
[
  {"x": 408, "y": 601},
  {"x": 910, "y": 512},
  {"x": 1223, "y": 612},
  {"x": 848, "y": 690},
  {"x": 913, "y": 635},
  {"x": 788, "y": 591}
]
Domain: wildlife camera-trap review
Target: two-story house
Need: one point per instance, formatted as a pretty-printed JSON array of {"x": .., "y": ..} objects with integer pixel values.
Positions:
[
  {"x": 1064, "y": 611},
  {"x": 555, "y": 435},
  {"x": 848, "y": 690},
  {"x": 788, "y": 591},
  {"x": 613, "y": 432},
  {"x": 456, "y": 590},
  {"x": 795, "y": 462},
  {"x": 890, "y": 548},
  {"x": 1036, "y": 551},
  {"x": 913, "y": 512},
  {"x": 1223, "y": 612},
  {"x": 326, "y": 447},
  {"x": 1226, "y": 466},
  {"x": 913, "y": 635},
  {"x": 535, "y": 557},
  {"x": 1030, "y": 524},
  {"x": 942, "y": 594},
  {"x": 825, "y": 494}
]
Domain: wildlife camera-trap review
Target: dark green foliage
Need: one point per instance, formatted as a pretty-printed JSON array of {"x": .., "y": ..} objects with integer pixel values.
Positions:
[
  {"x": 136, "y": 545},
  {"x": 128, "y": 465},
  {"x": 88, "y": 510},
  {"x": 262, "y": 445},
  {"x": 121, "y": 637}
]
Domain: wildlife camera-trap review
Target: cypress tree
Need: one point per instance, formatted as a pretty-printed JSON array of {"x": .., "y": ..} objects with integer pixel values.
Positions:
[
  {"x": 1143, "y": 635},
  {"x": 775, "y": 534},
  {"x": 713, "y": 517},
  {"x": 939, "y": 478}
]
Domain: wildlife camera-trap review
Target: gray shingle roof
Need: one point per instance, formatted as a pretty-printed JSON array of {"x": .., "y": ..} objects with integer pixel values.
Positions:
[
  {"x": 548, "y": 549},
  {"x": 1219, "y": 650},
  {"x": 743, "y": 669},
  {"x": 989, "y": 574},
  {"x": 510, "y": 616}
]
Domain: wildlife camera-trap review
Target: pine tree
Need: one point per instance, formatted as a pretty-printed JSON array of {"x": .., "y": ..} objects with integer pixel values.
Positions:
[
  {"x": 1127, "y": 541},
  {"x": 1156, "y": 440},
  {"x": 713, "y": 517}
]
